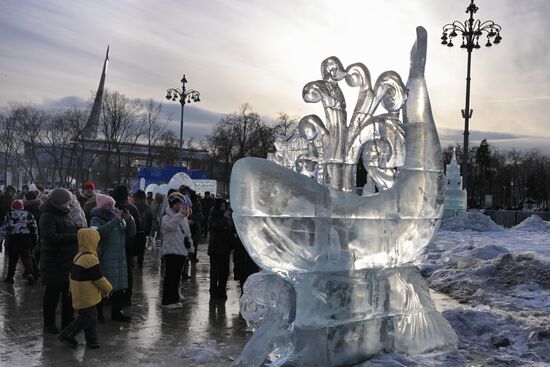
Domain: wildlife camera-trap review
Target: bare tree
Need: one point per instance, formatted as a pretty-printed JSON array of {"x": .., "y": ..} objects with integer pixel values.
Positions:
[
  {"x": 121, "y": 129},
  {"x": 153, "y": 126},
  {"x": 285, "y": 124},
  {"x": 238, "y": 135},
  {"x": 61, "y": 135},
  {"x": 24, "y": 125},
  {"x": 189, "y": 143},
  {"x": 7, "y": 129},
  {"x": 167, "y": 151},
  {"x": 511, "y": 177}
]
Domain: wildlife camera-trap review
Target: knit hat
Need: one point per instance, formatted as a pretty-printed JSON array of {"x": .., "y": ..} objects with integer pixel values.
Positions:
[
  {"x": 174, "y": 198},
  {"x": 59, "y": 196},
  {"x": 89, "y": 185},
  {"x": 103, "y": 200},
  {"x": 120, "y": 193},
  {"x": 17, "y": 204}
]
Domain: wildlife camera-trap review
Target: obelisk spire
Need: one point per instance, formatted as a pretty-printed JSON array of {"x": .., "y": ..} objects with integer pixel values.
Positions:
[{"x": 90, "y": 130}]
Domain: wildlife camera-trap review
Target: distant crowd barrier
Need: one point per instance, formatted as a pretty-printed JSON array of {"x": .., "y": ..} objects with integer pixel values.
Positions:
[{"x": 510, "y": 218}]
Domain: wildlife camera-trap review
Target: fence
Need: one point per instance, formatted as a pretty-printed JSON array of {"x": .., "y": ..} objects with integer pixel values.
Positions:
[{"x": 509, "y": 218}]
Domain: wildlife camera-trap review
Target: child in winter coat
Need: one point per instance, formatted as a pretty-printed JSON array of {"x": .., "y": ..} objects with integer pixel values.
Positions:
[
  {"x": 21, "y": 233},
  {"x": 87, "y": 287}
]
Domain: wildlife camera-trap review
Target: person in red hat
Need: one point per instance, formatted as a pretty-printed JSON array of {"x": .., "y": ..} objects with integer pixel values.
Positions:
[
  {"x": 21, "y": 234},
  {"x": 87, "y": 199},
  {"x": 88, "y": 191}
]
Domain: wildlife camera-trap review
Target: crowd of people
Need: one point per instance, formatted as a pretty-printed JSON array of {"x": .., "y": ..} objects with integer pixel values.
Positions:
[{"x": 83, "y": 245}]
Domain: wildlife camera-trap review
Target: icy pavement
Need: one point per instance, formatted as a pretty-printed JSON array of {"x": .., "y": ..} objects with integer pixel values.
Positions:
[
  {"x": 202, "y": 334},
  {"x": 492, "y": 284}
]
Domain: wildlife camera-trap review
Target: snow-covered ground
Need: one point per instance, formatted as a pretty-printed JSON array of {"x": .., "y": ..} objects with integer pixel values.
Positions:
[{"x": 492, "y": 284}]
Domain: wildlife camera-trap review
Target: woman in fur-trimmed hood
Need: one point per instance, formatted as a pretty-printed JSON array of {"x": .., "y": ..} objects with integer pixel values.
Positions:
[{"x": 114, "y": 226}]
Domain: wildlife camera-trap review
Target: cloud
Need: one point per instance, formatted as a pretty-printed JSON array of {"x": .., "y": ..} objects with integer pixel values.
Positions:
[
  {"x": 517, "y": 100},
  {"x": 502, "y": 141},
  {"x": 264, "y": 53},
  {"x": 65, "y": 102},
  {"x": 455, "y": 134},
  {"x": 197, "y": 123}
]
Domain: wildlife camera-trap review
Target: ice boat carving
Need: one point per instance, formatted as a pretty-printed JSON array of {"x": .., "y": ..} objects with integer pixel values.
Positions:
[{"x": 349, "y": 257}]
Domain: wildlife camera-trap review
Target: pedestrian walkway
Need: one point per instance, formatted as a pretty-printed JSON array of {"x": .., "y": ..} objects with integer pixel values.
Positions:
[{"x": 155, "y": 337}]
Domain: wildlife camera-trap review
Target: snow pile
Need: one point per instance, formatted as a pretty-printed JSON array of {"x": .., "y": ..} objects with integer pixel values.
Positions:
[
  {"x": 503, "y": 339},
  {"x": 486, "y": 252},
  {"x": 533, "y": 224},
  {"x": 511, "y": 282},
  {"x": 472, "y": 221},
  {"x": 443, "y": 252},
  {"x": 496, "y": 287}
]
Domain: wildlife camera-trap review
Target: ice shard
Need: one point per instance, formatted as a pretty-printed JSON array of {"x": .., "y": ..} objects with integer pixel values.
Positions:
[{"x": 348, "y": 259}]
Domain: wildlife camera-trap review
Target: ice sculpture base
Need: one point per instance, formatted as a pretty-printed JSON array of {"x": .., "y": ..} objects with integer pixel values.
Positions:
[{"x": 344, "y": 318}]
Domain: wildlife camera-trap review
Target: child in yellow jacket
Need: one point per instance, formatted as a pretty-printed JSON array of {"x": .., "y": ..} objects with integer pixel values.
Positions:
[{"x": 87, "y": 287}]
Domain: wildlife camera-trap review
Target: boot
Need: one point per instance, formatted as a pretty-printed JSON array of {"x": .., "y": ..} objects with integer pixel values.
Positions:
[
  {"x": 117, "y": 300},
  {"x": 69, "y": 340},
  {"x": 185, "y": 273}
]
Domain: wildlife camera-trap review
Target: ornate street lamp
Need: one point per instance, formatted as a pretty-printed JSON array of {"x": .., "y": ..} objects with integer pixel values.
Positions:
[
  {"x": 470, "y": 31},
  {"x": 184, "y": 96}
]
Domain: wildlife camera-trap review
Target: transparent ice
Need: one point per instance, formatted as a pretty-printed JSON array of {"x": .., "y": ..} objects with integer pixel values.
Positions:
[
  {"x": 347, "y": 259},
  {"x": 455, "y": 196}
]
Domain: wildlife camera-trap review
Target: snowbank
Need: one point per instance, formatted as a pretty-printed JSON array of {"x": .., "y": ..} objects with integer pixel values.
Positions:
[
  {"x": 498, "y": 284},
  {"x": 492, "y": 285},
  {"x": 504, "y": 340},
  {"x": 472, "y": 221},
  {"x": 533, "y": 224},
  {"x": 509, "y": 281}
]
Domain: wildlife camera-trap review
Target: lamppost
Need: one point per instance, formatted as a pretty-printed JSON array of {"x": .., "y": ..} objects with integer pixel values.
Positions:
[
  {"x": 470, "y": 31},
  {"x": 184, "y": 96},
  {"x": 512, "y": 193}
]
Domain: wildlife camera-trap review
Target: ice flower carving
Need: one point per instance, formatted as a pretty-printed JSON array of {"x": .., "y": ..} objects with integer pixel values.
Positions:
[{"x": 342, "y": 140}]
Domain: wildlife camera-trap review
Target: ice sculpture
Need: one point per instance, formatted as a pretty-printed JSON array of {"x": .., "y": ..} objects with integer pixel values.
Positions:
[
  {"x": 299, "y": 154},
  {"x": 348, "y": 258},
  {"x": 455, "y": 196},
  {"x": 179, "y": 179},
  {"x": 268, "y": 306}
]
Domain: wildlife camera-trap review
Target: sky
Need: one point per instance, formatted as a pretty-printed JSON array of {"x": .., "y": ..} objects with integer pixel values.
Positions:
[{"x": 264, "y": 52}]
